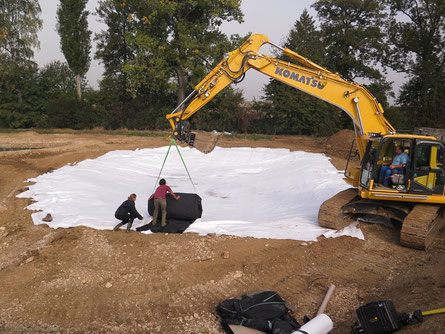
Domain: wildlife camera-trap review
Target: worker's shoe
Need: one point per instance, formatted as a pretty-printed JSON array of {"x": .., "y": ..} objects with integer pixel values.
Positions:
[
  {"x": 129, "y": 227},
  {"x": 48, "y": 218}
]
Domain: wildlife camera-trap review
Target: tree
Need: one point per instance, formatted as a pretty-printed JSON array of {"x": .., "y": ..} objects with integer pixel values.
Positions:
[
  {"x": 223, "y": 113},
  {"x": 290, "y": 110},
  {"x": 416, "y": 34},
  {"x": 113, "y": 48},
  {"x": 20, "y": 95},
  {"x": 19, "y": 24},
  {"x": 353, "y": 36},
  {"x": 178, "y": 40},
  {"x": 56, "y": 78},
  {"x": 306, "y": 39},
  {"x": 354, "y": 39},
  {"x": 75, "y": 40}
]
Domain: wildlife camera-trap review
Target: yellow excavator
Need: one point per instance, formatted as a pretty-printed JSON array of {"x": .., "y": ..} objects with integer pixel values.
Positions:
[{"x": 417, "y": 202}]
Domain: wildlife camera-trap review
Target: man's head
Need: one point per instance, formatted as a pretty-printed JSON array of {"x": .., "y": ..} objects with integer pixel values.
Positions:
[
  {"x": 162, "y": 182},
  {"x": 132, "y": 197},
  {"x": 399, "y": 149}
]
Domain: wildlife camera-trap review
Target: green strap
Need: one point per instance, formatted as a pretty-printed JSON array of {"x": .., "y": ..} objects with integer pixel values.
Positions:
[
  {"x": 165, "y": 159},
  {"x": 173, "y": 140}
]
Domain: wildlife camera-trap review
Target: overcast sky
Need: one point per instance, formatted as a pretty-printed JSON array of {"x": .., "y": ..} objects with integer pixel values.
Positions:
[{"x": 271, "y": 18}]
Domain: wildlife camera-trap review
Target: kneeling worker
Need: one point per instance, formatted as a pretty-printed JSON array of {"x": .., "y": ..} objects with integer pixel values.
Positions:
[
  {"x": 127, "y": 213},
  {"x": 160, "y": 200}
]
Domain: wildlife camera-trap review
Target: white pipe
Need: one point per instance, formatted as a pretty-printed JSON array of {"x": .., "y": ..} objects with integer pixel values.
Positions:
[
  {"x": 326, "y": 299},
  {"x": 321, "y": 324}
]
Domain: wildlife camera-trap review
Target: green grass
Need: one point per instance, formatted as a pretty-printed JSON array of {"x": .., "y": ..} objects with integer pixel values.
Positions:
[
  {"x": 103, "y": 132},
  {"x": 4, "y": 149},
  {"x": 12, "y": 130},
  {"x": 253, "y": 136}
]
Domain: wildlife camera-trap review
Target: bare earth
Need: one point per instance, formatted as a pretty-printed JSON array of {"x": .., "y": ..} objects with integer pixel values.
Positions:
[{"x": 82, "y": 280}]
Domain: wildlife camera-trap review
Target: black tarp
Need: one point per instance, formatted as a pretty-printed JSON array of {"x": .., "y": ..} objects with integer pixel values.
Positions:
[
  {"x": 173, "y": 226},
  {"x": 188, "y": 207},
  {"x": 265, "y": 311},
  {"x": 180, "y": 214}
]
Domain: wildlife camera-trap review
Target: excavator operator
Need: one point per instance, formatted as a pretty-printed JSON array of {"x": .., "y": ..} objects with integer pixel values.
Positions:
[{"x": 395, "y": 167}]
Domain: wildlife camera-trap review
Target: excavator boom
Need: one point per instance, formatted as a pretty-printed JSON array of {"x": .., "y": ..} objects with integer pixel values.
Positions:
[{"x": 306, "y": 76}]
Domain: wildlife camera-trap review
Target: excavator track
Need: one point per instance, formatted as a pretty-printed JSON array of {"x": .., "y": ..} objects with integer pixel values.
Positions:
[
  {"x": 420, "y": 222},
  {"x": 331, "y": 214},
  {"x": 421, "y": 226}
]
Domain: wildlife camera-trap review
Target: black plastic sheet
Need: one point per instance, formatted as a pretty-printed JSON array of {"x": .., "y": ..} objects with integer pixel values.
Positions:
[
  {"x": 173, "y": 226},
  {"x": 180, "y": 214},
  {"x": 188, "y": 207}
]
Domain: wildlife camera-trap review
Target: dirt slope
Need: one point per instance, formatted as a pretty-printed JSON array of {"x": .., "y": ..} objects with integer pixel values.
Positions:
[{"x": 82, "y": 280}]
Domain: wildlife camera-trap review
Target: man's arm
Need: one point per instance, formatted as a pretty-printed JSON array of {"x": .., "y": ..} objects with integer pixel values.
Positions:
[
  {"x": 386, "y": 163},
  {"x": 397, "y": 166},
  {"x": 173, "y": 194},
  {"x": 403, "y": 159},
  {"x": 135, "y": 212}
]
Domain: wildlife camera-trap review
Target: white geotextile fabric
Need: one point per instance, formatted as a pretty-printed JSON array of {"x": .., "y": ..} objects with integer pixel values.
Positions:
[{"x": 256, "y": 192}]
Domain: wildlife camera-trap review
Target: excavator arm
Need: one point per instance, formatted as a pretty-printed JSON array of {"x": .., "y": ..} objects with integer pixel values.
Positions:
[{"x": 363, "y": 108}]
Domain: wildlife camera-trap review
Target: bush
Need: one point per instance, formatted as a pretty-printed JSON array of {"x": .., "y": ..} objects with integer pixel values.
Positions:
[{"x": 68, "y": 112}]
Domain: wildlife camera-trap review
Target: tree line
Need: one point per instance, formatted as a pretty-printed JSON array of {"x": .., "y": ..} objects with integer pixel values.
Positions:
[{"x": 155, "y": 52}]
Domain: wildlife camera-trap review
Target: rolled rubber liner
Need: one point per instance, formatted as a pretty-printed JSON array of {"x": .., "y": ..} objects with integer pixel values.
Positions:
[
  {"x": 188, "y": 207},
  {"x": 173, "y": 226},
  {"x": 180, "y": 214}
]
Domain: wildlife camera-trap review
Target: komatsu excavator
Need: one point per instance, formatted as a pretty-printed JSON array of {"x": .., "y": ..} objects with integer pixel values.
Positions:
[{"x": 418, "y": 202}]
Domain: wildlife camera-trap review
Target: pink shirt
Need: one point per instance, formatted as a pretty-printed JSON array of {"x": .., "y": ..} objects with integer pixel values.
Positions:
[{"x": 161, "y": 191}]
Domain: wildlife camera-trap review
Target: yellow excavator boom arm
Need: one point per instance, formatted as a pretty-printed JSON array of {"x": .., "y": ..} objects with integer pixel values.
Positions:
[{"x": 363, "y": 108}]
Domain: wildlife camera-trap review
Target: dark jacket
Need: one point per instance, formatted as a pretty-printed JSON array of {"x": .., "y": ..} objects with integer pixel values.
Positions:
[{"x": 126, "y": 209}]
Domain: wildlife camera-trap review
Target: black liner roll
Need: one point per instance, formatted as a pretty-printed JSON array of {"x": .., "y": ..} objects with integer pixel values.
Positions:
[
  {"x": 188, "y": 207},
  {"x": 173, "y": 226}
]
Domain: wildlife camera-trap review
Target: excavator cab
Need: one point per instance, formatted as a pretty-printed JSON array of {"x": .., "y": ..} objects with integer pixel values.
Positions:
[
  {"x": 423, "y": 173},
  {"x": 428, "y": 174}
]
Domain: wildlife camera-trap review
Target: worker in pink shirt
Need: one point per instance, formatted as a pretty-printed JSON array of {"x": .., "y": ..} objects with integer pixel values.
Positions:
[{"x": 161, "y": 201}]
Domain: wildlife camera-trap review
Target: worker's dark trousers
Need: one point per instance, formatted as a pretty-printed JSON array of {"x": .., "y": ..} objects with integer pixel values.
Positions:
[{"x": 125, "y": 220}]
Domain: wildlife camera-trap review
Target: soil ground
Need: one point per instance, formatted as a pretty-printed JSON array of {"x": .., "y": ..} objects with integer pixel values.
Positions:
[{"x": 82, "y": 280}]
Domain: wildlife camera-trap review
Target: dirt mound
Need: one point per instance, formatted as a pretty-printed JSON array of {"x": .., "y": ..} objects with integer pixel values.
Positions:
[{"x": 339, "y": 144}]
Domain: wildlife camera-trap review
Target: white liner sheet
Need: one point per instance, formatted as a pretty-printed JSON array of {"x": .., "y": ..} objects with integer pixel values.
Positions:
[{"x": 247, "y": 192}]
